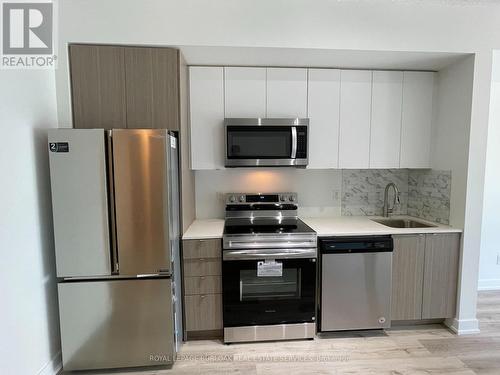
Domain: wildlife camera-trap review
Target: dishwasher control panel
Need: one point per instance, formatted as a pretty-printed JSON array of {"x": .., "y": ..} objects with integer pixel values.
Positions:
[{"x": 356, "y": 244}]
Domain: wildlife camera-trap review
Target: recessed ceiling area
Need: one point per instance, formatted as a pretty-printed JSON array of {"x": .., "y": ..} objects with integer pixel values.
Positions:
[{"x": 320, "y": 58}]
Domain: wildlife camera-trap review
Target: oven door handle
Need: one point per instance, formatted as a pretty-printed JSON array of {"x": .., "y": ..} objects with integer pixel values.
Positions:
[
  {"x": 294, "y": 143},
  {"x": 269, "y": 254},
  {"x": 270, "y": 243}
]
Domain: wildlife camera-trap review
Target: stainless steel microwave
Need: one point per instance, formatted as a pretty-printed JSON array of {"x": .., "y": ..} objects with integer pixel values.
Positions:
[{"x": 266, "y": 142}]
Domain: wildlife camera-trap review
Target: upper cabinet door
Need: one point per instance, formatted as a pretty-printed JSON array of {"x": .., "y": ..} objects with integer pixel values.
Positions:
[
  {"x": 355, "y": 113},
  {"x": 245, "y": 92},
  {"x": 207, "y": 117},
  {"x": 286, "y": 92},
  {"x": 152, "y": 87},
  {"x": 385, "y": 134},
  {"x": 98, "y": 86},
  {"x": 323, "y": 111},
  {"x": 416, "y": 119}
]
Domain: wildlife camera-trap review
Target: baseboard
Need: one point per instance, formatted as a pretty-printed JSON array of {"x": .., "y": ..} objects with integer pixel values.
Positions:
[
  {"x": 464, "y": 326},
  {"x": 53, "y": 367},
  {"x": 418, "y": 322},
  {"x": 488, "y": 284}
]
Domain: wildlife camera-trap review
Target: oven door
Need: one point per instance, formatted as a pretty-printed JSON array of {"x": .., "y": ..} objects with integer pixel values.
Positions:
[{"x": 268, "y": 291}]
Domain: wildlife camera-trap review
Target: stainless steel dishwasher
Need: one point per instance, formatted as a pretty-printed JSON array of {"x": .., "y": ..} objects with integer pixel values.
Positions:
[{"x": 355, "y": 283}]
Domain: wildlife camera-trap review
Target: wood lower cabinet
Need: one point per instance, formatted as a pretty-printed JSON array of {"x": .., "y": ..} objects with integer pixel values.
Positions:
[
  {"x": 425, "y": 276},
  {"x": 203, "y": 285},
  {"x": 203, "y": 312},
  {"x": 200, "y": 249},
  {"x": 442, "y": 252},
  {"x": 202, "y": 265},
  {"x": 407, "y": 277}
]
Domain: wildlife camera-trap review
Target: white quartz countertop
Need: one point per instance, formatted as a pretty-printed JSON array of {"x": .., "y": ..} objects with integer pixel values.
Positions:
[
  {"x": 204, "y": 229},
  {"x": 325, "y": 226},
  {"x": 363, "y": 225}
]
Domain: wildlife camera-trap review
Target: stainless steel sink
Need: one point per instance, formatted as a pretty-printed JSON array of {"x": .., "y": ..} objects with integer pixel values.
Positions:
[{"x": 403, "y": 223}]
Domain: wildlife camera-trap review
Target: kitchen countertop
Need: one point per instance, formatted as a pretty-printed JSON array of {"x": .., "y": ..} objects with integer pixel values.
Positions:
[
  {"x": 325, "y": 226},
  {"x": 204, "y": 229},
  {"x": 363, "y": 225}
]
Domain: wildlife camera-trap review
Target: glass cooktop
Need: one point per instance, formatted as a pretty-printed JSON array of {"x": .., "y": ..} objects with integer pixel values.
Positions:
[{"x": 260, "y": 225}]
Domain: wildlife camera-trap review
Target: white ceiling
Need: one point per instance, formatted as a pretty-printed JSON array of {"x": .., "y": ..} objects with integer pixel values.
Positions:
[{"x": 353, "y": 59}]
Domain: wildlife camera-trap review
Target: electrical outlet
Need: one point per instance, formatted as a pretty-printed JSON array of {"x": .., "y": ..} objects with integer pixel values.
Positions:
[
  {"x": 221, "y": 197},
  {"x": 336, "y": 196},
  {"x": 498, "y": 258}
]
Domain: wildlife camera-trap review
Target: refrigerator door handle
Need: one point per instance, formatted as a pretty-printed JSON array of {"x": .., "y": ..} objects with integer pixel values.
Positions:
[{"x": 112, "y": 212}]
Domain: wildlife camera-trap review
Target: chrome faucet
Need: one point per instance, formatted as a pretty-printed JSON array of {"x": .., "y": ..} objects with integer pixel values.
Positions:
[{"x": 388, "y": 211}]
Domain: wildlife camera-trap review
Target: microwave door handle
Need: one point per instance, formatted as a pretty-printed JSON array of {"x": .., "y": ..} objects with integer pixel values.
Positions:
[{"x": 294, "y": 142}]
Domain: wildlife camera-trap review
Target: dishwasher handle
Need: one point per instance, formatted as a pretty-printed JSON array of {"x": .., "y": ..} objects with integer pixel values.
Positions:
[{"x": 355, "y": 251}]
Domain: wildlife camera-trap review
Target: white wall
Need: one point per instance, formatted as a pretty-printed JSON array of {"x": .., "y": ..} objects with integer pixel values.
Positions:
[
  {"x": 451, "y": 128},
  {"x": 489, "y": 270},
  {"x": 379, "y": 25},
  {"x": 450, "y": 150},
  {"x": 427, "y": 25},
  {"x": 28, "y": 316},
  {"x": 315, "y": 188}
]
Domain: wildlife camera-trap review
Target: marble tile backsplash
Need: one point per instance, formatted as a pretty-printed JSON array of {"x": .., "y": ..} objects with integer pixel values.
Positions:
[
  {"x": 424, "y": 193},
  {"x": 429, "y": 194},
  {"x": 363, "y": 190}
]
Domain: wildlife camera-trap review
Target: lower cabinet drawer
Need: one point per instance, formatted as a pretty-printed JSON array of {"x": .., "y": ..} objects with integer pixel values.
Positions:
[
  {"x": 203, "y": 312},
  {"x": 193, "y": 249},
  {"x": 203, "y": 285},
  {"x": 202, "y": 267}
]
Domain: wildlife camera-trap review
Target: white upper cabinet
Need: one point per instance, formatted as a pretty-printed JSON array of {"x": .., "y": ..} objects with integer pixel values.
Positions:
[
  {"x": 323, "y": 112},
  {"x": 416, "y": 119},
  {"x": 245, "y": 92},
  {"x": 207, "y": 117},
  {"x": 358, "y": 118},
  {"x": 286, "y": 92},
  {"x": 355, "y": 113},
  {"x": 385, "y": 133}
]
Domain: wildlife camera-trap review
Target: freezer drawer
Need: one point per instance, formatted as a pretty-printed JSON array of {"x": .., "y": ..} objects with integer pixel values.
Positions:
[
  {"x": 355, "y": 291},
  {"x": 116, "y": 323}
]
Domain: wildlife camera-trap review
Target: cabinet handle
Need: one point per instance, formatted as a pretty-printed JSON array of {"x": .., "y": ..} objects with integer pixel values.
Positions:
[
  {"x": 202, "y": 277},
  {"x": 202, "y": 296},
  {"x": 202, "y": 259}
]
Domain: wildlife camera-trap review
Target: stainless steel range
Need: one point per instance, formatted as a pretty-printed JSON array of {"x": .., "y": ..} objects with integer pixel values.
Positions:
[{"x": 268, "y": 269}]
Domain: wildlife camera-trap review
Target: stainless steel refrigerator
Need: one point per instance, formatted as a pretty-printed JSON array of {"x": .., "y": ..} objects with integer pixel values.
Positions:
[{"x": 115, "y": 197}]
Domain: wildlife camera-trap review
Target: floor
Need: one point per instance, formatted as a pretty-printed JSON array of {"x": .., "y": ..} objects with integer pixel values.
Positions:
[{"x": 416, "y": 350}]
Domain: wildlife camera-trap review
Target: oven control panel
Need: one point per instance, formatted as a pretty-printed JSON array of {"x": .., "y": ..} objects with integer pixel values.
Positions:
[{"x": 246, "y": 198}]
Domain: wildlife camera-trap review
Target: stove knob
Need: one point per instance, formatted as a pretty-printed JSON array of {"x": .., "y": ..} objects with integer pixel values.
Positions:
[
  {"x": 282, "y": 198},
  {"x": 292, "y": 198},
  {"x": 242, "y": 198},
  {"x": 232, "y": 199}
]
